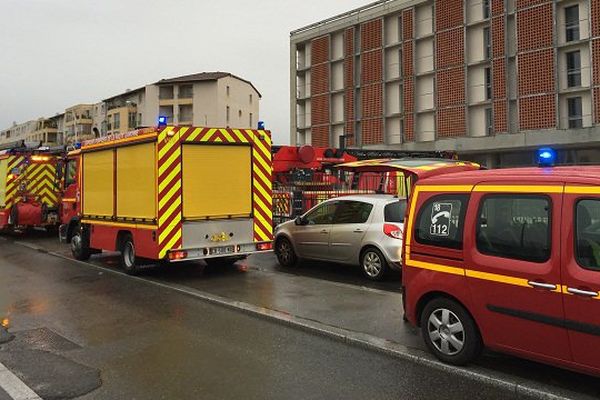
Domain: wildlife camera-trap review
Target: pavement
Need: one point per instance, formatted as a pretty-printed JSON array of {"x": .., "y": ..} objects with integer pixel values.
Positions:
[{"x": 335, "y": 301}]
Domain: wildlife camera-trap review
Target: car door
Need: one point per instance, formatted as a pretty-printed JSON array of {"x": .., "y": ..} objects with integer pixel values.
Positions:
[
  {"x": 350, "y": 224},
  {"x": 513, "y": 268},
  {"x": 581, "y": 275},
  {"x": 312, "y": 236}
]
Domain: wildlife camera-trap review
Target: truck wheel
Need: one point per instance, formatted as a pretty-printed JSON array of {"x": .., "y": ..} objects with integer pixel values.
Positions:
[
  {"x": 80, "y": 246},
  {"x": 128, "y": 259},
  {"x": 373, "y": 264},
  {"x": 450, "y": 332}
]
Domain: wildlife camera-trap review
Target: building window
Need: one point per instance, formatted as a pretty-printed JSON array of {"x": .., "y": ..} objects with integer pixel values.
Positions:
[
  {"x": 132, "y": 120},
  {"x": 488, "y": 83},
  {"x": 227, "y": 90},
  {"x": 575, "y": 112},
  {"x": 489, "y": 121},
  {"x": 573, "y": 69},
  {"x": 227, "y": 115},
  {"x": 117, "y": 121},
  {"x": 250, "y": 120},
  {"x": 165, "y": 92},
  {"x": 139, "y": 121},
  {"x": 572, "y": 23},
  {"x": 487, "y": 43},
  {"x": 250, "y": 99},
  {"x": 515, "y": 226},
  {"x": 486, "y": 8},
  {"x": 186, "y": 91}
]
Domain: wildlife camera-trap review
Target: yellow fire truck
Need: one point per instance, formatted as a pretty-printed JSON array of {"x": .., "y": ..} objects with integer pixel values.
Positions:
[{"x": 170, "y": 193}]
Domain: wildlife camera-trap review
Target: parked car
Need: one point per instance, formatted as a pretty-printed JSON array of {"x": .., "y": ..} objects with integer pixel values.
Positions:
[
  {"x": 363, "y": 230},
  {"x": 507, "y": 259}
]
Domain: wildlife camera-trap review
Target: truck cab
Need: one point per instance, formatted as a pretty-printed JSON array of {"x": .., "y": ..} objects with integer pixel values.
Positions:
[{"x": 507, "y": 259}]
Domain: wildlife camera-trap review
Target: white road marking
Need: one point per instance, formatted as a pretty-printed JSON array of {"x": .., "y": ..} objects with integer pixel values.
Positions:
[{"x": 15, "y": 387}]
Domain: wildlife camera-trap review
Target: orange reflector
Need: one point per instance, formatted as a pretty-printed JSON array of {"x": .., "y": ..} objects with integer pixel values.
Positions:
[
  {"x": 177, "y": 255},
  {"x": 264, "y": 246}
]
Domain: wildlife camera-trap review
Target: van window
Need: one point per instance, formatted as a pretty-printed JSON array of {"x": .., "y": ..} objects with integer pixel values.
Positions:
[
  {"x": 440, "y": 221},
  {"x": 587, "y": 236},
  {"x": 352, "y": 212},
  {"x": 394, "y": 212},
  {"x": 515, "y": 226}
]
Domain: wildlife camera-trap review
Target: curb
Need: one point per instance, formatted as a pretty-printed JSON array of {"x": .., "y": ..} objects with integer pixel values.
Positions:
[{"x": 519, "y": 387}]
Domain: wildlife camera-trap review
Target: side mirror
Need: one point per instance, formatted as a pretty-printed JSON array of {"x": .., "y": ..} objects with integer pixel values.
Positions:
[{"x": 299, "y": 220}]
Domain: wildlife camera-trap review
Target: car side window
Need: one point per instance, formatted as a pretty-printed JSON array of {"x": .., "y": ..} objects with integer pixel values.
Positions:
[
  {"x": 322, "y": 215},
  {"x": 587, "y": 234},
  {"x": 71, "y": 171},
  {"x": 515, "y": 226},
  {"x": 352, "y": 212},
  {"x": 440, "y": 221}
]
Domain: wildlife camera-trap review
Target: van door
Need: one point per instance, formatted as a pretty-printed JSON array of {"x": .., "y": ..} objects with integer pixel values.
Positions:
[
  {"x": 581, "y": 274},
  {"x": 513, "y": 268}
]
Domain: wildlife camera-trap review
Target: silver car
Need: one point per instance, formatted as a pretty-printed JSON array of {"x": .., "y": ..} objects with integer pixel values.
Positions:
[{"x": 363, "y": 230}]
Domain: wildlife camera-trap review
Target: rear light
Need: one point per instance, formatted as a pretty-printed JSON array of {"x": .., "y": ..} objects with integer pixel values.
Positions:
[
  {"x": 178, "y": 255},
  {"x": 264, "y": 246},
  {"x": 393, "y": 231}
]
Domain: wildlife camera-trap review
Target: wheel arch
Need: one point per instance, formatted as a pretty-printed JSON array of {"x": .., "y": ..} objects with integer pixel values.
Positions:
[
  {"x": 73, "y": 223},
  {"x": 427, "y": 297},
  {"x": 120, "y": 237}
]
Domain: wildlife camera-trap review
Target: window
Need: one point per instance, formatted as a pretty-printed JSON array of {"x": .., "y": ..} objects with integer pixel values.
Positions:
[
  {"x": 251, "y": 123},
  {"x": 573, "y": 69},
  {"x": 489, "y": 121},
  {"x": 227, "y": 115},
  {"x": 488, "y": 83},
  {"x": 575, "y": 112},
  {"x": 587, "y": 234},
  {"x": 117, "y": 121},
  {"x": 352, "y": 212},
  {"x": 132, "y": 120},
  {"x": 440, "y": 221},
  {"x": 227, "y": 90},
  {"x": 70, "y": 173},
  {"x": 394, "y": 212},
  {"x": 250, "y": 99},
  {"x": 515, "y": 226},
  {"x": 487, "y": 43},
  {"x": 572, "y": 23},
  {"x": 322, "y": 215},
  {"x": 186, "y": 91},
  {"x": 486, "y": 8}
]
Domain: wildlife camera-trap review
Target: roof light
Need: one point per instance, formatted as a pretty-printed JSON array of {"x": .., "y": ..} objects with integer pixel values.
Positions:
[
  {"x": 162, "y": 120},
  {"x": 261, "y": 125},
  {"x": 546, "y": 157}
]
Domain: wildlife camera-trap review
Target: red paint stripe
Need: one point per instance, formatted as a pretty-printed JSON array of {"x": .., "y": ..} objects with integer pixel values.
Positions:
[
  {"x": 184, "y": 136},
  {"x": 265, "y": 156},
  {"x": 175, "y": 180},
  {"x": 164, "y": 158},
  {"x": 249, "y": 137},
  {"x": 266, "y": 226},
  {"x": 176, "y": 198},
  {"x": 170, "y": 236},
  {"x": 262, "y": 169},
  {"x": 259, "y": 195}
]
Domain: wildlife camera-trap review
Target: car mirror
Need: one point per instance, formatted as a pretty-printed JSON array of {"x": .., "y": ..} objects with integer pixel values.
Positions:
[{"x": 300, "y": 221}]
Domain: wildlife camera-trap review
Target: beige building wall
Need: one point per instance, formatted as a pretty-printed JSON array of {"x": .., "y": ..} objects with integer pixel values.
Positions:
[{"x": 242, "y": 100}]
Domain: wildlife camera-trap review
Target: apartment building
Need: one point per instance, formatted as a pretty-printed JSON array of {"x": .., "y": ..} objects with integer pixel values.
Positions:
[
  {"x": 217, "y": 99},
  {"x": 491, "y": 79}
]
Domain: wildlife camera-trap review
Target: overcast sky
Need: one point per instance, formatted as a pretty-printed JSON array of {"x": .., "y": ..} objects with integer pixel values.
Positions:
[{"x": 57, "y": 53}]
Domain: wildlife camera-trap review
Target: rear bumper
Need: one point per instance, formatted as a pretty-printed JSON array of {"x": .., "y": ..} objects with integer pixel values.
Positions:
[{"x": 241, "y": 250}]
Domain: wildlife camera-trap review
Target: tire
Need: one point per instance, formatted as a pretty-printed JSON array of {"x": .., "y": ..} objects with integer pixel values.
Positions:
[
  {"x": 450, "y": 332},
  {"x": 286, "y": 256},
  {"x": 373, "y": 264},
  {"x": 128, "y": 260},
  {"x": 80, "y": 244}
]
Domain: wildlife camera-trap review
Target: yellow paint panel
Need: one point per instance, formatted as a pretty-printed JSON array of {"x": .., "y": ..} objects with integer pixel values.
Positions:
[
  {"x": 98, "y": 185},
  {"x": 136, "y": 181},
  {"x": 217, "y": 181},
  {"x": 3, "y": 177}
]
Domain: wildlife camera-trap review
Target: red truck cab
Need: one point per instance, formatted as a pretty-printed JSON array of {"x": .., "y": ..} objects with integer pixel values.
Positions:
[{"x": 507, "y": 259}]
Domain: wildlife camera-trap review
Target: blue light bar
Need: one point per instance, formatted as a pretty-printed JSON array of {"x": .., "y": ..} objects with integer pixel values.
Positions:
[
  {"x": 261, "y": 125},
  {"x": 546, "y": 157},
  {"x": 162, "y": 120}
]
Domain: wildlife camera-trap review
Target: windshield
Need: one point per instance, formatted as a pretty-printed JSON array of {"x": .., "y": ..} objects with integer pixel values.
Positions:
[{"x": 394, "y": 212}]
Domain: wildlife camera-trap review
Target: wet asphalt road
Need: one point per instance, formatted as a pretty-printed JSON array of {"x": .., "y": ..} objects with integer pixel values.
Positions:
[{"x": 147, "y": 342}]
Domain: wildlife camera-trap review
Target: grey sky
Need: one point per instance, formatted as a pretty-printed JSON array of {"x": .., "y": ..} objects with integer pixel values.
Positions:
[{"x": 57, "y": 53}]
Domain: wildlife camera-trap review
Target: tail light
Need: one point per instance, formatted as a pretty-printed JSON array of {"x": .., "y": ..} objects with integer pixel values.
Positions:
[
  {"x": 177, "y": 255},
  {"x": 264, "y": 246},
  {"x": 393, "y": 231}
]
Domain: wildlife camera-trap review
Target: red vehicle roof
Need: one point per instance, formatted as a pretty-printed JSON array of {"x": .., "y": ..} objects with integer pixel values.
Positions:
[{"x": 516, "y": 176}]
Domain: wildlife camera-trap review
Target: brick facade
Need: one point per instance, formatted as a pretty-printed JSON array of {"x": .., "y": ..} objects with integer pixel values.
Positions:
[
  {"x": 451, "y": 122},
  {"x": 372, "y": 131},
  {"x": 320, "y": 136},
  {"x": 448, "y": 14},
  {"x": 596, "y": 61},
  {"x": 320, "y": 50},
  {"x": 498, "y": 37},
  {"x": 371, "y": 82},
  {"x": 319, "y": 79},
  {"x": 371, "y": 35},
  {"x": 371, "y": 67},
  {"x": 372, "y": 100},
  {"x": 319, "y": 90},
  {"x": 319, "y": 110},
  {"x": 349, "y": 85},
  {"x": 528, "y": 3},
  {"x": 535, "y": 27},
  {"x": 497, "y": 7},
  {"x": 407, "y": 73},
  {"x": 597, "y": 104},
  {"x": 407, "y": 24},
  {"x": 450, "y": 87},
  {"x": 595, "y": 17},
  {"x": 500, "y": 113},
  {"x": 537, "y": 112},
  {"x": 499, "y": 78},
  {"x": 536, "y": 72},
  {"x": 450, "y": 48}
]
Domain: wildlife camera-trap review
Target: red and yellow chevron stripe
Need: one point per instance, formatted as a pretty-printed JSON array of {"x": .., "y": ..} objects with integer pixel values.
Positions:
[
  {"x": 170, "y": 140},
  {"x": 40, "y": 183},
  {"x": 12, "y": 181}
]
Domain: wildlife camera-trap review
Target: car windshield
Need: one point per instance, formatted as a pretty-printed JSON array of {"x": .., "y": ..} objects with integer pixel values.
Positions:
[{"x": 394, "y": 212}]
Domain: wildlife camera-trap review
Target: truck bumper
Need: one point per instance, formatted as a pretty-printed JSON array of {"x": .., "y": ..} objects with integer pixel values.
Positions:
[{"x": 239, "y": 250}]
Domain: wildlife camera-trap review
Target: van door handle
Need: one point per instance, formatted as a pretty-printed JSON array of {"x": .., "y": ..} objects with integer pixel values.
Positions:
[
  {"x": 579, "y": 292},
  {"x": 541, "y": 285}
]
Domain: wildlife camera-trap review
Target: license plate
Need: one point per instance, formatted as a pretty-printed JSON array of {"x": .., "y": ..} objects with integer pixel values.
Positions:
[{"x": 221, "y": 250}]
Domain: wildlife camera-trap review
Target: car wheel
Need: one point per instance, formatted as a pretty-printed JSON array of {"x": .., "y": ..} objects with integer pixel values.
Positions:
[
  {"x": 128, "y": 259},
  {"x": 373, "y": 264},
  {"x": 286, "y": 256},
  {"x": 80, "y": 247},
  {"x": 450, "y": 332}
]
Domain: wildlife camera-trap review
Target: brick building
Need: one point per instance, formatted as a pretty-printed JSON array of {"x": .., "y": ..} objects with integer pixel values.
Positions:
[{"x": 492, "y": 79}]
